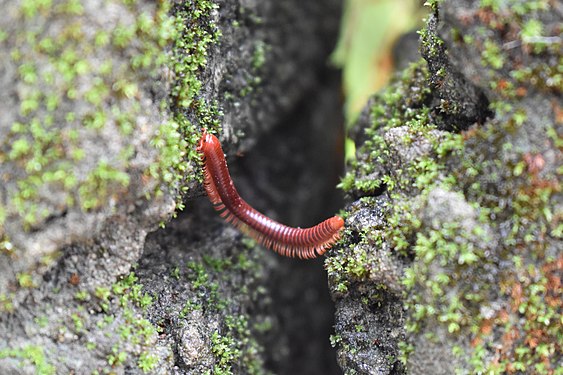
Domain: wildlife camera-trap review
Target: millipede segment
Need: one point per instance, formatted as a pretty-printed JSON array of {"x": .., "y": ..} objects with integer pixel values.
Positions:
[{"x": 288, "y": 241}]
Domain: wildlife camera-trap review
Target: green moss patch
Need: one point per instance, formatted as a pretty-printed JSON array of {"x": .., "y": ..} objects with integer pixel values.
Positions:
[
  {"x": 233, "y": 345},
  {"x": 69, "y": 100},
  {"x": 115, "y": 316},
  {"x": 482, "y": 269},
  {"x": 30, "y": 354}
]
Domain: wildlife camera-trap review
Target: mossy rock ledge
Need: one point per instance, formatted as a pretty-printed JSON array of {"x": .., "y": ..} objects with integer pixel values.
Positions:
[
  {"x": 451, "y": 260},
  {"x": 102, "y": 105}
]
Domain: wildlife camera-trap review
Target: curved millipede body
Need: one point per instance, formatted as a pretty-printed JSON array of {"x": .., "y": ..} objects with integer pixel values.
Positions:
[{"x": 285, "y": 240}]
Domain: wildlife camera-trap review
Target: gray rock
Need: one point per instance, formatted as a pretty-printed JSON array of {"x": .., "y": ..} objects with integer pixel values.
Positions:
[
  {"x": 445, "y": 263},
  {"x": 84, "y": 285}
]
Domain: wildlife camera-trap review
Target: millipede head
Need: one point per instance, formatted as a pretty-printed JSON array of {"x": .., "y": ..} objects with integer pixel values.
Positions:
[
  {"x": 199, "y": 147},
  {"x": 207, "y": 140}
]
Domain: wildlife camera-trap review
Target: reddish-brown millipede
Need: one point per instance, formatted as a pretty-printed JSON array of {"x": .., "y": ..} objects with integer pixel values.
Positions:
[{"x": 288, "y": 241}]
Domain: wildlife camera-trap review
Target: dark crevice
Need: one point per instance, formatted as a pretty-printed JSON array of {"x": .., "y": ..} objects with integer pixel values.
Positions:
[
  {"x": 458, "y": 103},
  {"x": 356, "y": 194},
  {"x": 291, "y": 175}
]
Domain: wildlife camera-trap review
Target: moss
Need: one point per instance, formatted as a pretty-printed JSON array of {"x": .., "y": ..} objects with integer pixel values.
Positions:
[
  {"x": 6, "y": 247},
  {"x": 6, "y": 302},
  {"x": 226, "y": 352},
  {"x": 430, "y": 42},
  {"x": 147, "y": 362},
  {"x": 49, "y": 155},
  {"x": 524, "y": 19},
  {"x": 195, "y": 34},
  {"x": 433, "y": 4},
  {"x": 259, "y": 55},
  {"x": 492, "y": 55},
  {"x": 237, "y": 344},
  {"x": 116, "y": 358},
  {"x": 78, "y": 323},
  {"x": 98, "y": 185},
  {"x": 518, "y": 7},
  {"x": 129, "y": 337},
  {"x": 449, "y": 283},
  {"x": 525, "y": 251},
  {"x": 25, "y": 280},
  {"x": 129, "y": 291},
  {"x": 82, "y": 295},
  {"x": 464, "y": 261},
  {"x": 233, "y": 344},
  {"x": 134, "y": 329},
  {"x": 30, "y": 354},
  {"x": 371, "y": 174}
]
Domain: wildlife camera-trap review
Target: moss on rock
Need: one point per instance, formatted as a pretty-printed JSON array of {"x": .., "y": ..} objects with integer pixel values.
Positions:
[{"x": 467, "y": 221}]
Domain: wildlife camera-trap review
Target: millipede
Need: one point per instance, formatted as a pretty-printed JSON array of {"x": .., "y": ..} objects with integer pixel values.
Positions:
[{"x": 305, "y": 243}]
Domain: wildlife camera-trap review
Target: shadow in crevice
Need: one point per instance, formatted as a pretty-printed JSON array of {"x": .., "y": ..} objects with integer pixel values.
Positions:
[{"x": 291, "y": 176}]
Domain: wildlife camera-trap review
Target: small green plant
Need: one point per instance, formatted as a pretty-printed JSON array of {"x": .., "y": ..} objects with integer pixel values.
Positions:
[{"x": 147, "y": 362}]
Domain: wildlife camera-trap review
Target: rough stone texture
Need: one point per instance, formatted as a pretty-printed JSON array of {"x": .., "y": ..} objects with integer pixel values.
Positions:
[
  {"x": 82, "y": 288},
  {"x": 210, "y": 297},
  {"x": 451, "y": 260},
  {"x": 264, "y": 46},
  {"x": 54, "y": 187}
]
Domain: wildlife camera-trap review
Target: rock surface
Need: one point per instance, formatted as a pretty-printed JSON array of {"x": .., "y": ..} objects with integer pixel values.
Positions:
[
  {"x": 101, "y": 116},
  {"x": 451, "y": 260}
]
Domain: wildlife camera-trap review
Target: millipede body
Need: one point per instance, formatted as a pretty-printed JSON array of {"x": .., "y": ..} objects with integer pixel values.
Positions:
[{"x": 288, "y": 241}]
